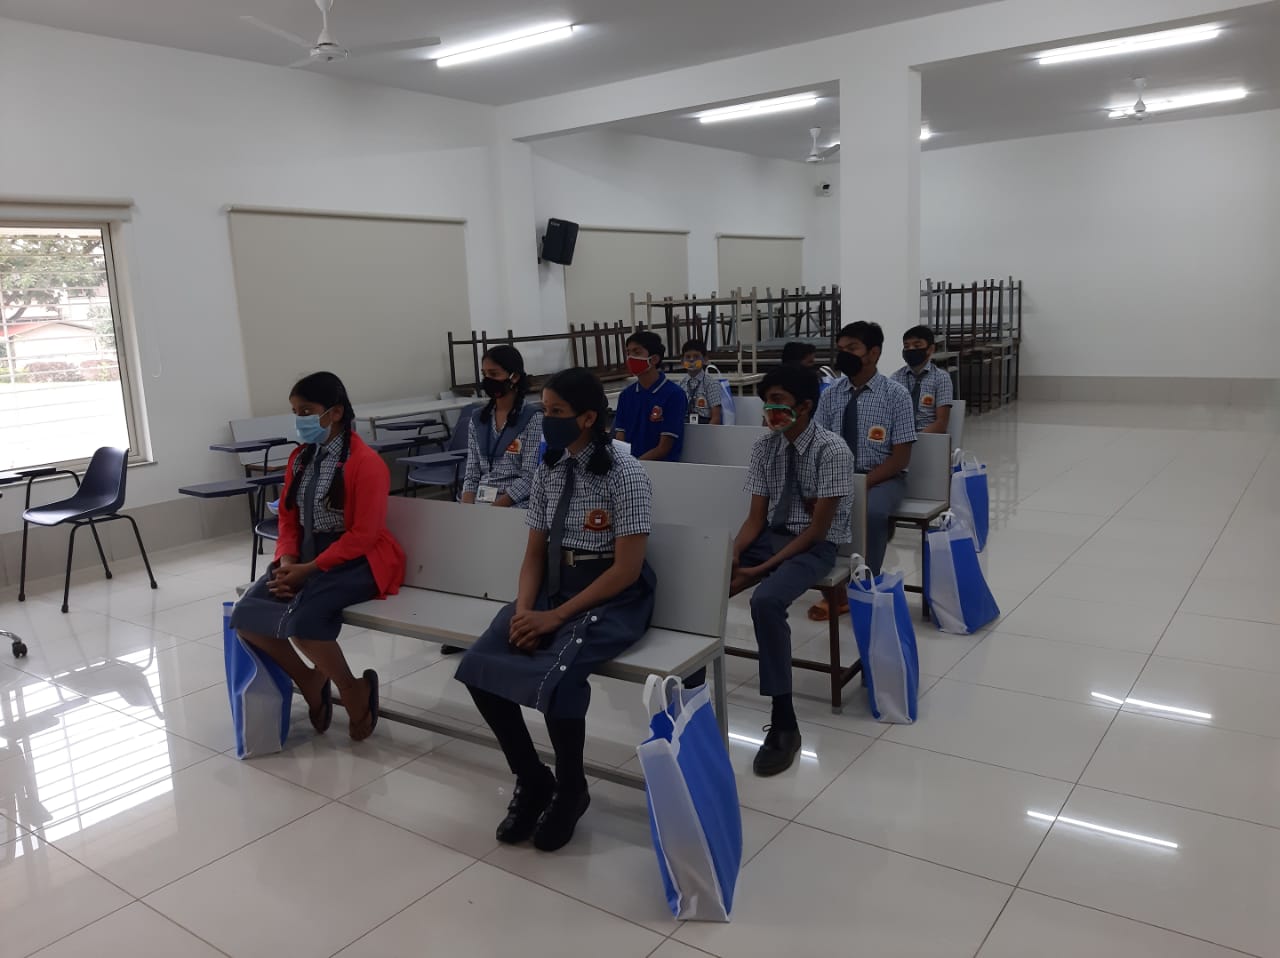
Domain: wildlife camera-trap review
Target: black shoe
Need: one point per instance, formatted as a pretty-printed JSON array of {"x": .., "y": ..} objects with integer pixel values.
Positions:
[
  {"x": 779, "y": 751},
  {"x": 557, "y": 823},
  {"x": 451, "y": 650},
  {"x": 528, "y": 802}
]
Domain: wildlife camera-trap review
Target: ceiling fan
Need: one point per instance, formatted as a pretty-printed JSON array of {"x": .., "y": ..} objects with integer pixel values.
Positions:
[
  {"x": 1139, "y": 109},
  {"x": 326, "y": 50},
  {"x": 819, "y": 155}
]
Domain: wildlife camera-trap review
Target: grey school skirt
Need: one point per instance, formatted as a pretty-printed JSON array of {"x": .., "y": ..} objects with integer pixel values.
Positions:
[
  {"x": 553, "y": 679},
  {"x": 315, "y": 613}
]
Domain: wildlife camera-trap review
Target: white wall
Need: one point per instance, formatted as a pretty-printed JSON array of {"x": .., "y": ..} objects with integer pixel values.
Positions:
[
  {"x": 1146, "y": 250},
  {"x": 185, "y": 134},
  {"x": 604, "y": 178}
]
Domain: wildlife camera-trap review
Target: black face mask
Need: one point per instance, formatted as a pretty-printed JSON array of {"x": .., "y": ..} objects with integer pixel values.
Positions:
[
  {"x": 494, "y": 388},
  {"x": 560, "y": 432},
  {"x": 915, "y": 358},
  {"x": 848, "y": 364}
]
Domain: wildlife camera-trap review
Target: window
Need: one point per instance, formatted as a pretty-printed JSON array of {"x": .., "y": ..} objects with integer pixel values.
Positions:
[{"x": 64, "y": 388}]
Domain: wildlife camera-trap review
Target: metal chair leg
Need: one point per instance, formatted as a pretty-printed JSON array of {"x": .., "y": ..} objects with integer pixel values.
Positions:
[
  {"x": 66, "y": 582},
  {"x": 833, "y": 634},
  {"x": 924, "y": 545},
  {"x": 101, "y": 554},
  {"x": 22, "y": 578},
  {"x": 142, "y": 550}
]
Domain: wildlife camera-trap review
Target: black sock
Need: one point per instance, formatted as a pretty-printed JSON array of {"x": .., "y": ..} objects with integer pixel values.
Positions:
[
  {"x": 507, "y": 722},
  {"x": 784, "y": 714},
  {"x": 569, "y": 739}
]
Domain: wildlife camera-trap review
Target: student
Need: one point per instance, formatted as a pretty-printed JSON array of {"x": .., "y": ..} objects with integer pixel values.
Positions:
[
  {"x": 652, "y": 412},
  {"x": 873, "y": 414},
  {"x": 502, "y": 451},
  {"x": 334, "y": 550},
  {"x": 806, "y": 354},
  {"x": 585, "y": 596},
  {"x": 800, "y": 478},
  {"x": 928, "y": 386},
  {"x": 701, "y": 391}
]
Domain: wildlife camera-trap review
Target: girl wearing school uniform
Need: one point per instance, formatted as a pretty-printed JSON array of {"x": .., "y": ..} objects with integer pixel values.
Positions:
[
  {"x": 502, "y": 452},
  {"x": 334, "y": 550},
  {"x": 585, "y": 596}
]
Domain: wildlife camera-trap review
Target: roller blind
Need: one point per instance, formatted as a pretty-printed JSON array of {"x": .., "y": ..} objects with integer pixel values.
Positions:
[
  {"x": 369, "y": 298},
  {"x": 611, "y": 264},
  {"x": 773, "y": 261}
]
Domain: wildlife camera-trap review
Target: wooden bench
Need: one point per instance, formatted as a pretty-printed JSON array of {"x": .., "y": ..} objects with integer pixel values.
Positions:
[
  {"x": 713, "y": 497},
  {"x": 453, "y": 590}
]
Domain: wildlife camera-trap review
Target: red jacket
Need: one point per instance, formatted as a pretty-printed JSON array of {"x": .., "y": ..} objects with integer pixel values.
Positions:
[{"x": 367, "y": 483}]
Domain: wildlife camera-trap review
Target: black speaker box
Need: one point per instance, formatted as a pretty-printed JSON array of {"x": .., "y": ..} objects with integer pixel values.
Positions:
[{"x": 559, "y": 242}]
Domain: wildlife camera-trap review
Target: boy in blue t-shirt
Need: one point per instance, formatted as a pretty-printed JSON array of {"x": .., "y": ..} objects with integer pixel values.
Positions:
[{"x": 651, "y": 412}]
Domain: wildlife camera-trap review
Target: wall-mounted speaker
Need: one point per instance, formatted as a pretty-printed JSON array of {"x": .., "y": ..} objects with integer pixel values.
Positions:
[{"x": 559, "y": 242}]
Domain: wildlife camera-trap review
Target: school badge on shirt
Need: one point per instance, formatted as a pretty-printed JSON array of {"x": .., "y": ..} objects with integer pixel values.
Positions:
[
  {"x": 655, "y": 414},
  {"x": 877, "y": 434},
  {"x": 702, "y": 402},
  {"x": 927, "y": 400},
  {"x": 597, "y": 521},
  {"x": 516, "y": 445}
]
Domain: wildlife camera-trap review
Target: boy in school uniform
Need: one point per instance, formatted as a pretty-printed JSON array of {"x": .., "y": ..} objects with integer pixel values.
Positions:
[
  {"x": 929, "y": 386},
  {"x": 806, "y": 354},
  {"x": 700, "y": 389},
  {"x": 651, "y": 412},
  {"x": 874, "y": 416},
  {"x": 800, "y": 478}
]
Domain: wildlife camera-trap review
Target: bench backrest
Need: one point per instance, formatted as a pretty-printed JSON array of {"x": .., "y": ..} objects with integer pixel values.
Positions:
[
  {"x": 720, "y": 445},
  {"x": 714, "y": 497},
  {"x": 930, "y": 474},
  {"x": 955, "y": 425},
  {"x": 477, "y": 551},
  {"x": 750, "y": 410},
  {"x": 264, "y": 427}
]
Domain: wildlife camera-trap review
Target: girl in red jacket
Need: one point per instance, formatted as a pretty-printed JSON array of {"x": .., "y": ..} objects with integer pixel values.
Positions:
[{"x": 334, "y": 550}]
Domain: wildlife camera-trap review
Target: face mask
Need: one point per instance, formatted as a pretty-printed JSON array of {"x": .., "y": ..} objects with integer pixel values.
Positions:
[
  {"x": 309, "y": 429},
  {"x": 848, "y": 363},
  {"x": 780, "y": 417},
  {"x": 493, "y": 388},
  {"x": 915, "y": 358},
  {"x": 637, "y": 367},
  {"x": 693, "y": 365},
  {"x": 560, "y": 432}
]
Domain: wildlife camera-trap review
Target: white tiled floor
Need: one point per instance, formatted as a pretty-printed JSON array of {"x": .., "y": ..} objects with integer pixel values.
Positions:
[{"x": 1133, "y": 557}]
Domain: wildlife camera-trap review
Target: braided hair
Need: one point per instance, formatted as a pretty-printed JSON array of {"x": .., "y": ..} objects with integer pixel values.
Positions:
[
  {"x": 324, "y": 389},
  {"x": 582, "y": 391},
  {"x": 512, "y": 363}
]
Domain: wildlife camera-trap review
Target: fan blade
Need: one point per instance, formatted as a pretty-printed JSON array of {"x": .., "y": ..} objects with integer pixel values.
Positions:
[
  {"x": 395, "y": 46},
  {"x": 283, "y": 34},
  {"x": 305, "y": 62},
  {"x": 830, "y": 151}
]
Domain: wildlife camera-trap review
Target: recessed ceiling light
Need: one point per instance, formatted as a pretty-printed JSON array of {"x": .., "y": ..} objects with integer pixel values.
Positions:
[
  {"x": 742, "y": 111},
  {"x": 1139, "y": 44},
  {"x": 925, "y": 133},
  {"x": 1160, "y": 104},
  {"x": 494, "y": 48}
]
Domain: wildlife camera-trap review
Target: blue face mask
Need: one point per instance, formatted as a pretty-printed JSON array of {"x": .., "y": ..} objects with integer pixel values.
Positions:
[
  {"x": 560, "y": 432},
  {"x": 309, "y": 429}
]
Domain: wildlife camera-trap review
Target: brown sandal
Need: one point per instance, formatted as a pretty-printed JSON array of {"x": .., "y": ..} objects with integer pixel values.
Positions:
[
  {"x": 820, "y": 611},
  {"x": 371, "y": 714},
  {"x": 322, "y": 717}
]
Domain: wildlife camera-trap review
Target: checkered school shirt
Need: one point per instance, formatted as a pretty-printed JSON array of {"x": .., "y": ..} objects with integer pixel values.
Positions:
[
  {"x": 602, "y": 508},
  {"x": 703, "y": 394},
  {"x": 326, "y": 518},
  {"x": 510, "y": 468},
  {"x": 824, "y": 469},
  {"x": 884, "y": 417},
  {"x": 935, "y": 391}
]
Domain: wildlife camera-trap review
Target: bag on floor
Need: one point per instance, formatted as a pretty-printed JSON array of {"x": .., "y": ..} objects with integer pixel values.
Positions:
[
  {"x": 886, "y": 641},
  {"x": 954, "y": 587},
  {"x": 693, "y": 801},
  {"x": 261, "y": 694},
  {"x": 970, "y": 498},
  {"x": 728, "y": 411}
]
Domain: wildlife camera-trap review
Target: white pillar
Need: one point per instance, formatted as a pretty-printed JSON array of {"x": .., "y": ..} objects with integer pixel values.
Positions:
[
  {"x": 517, "y": 232},
  {"x": 880, "y": 195}
]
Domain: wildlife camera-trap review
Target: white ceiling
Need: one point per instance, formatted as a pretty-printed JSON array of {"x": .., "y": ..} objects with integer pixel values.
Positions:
[
  {"x": 618, "y": 40},
  {"x": 1006, "y": 95}
]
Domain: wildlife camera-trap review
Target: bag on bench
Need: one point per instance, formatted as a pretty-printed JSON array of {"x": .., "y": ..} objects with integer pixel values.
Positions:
[
  {"x": 260, "y": 692},
  {"x": 886, "y": 643},
  {"x": 728, "y": 409},
  {"x": 954, "y": 586},
  {"x": 970, "y": 496},
  {"x": 693, "y": 801}
]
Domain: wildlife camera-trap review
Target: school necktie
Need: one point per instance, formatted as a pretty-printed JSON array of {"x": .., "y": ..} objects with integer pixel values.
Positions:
[
  {"x": 850, "y": 425},
  {"x": 915, "y": 393},
  {"x": 555, "y": 538},
  {"x": 782, "y": 511}
]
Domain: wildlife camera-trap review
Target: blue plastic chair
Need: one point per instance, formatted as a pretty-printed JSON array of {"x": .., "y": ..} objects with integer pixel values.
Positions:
[
  {"x": 98, "y": 498},
  {"x": 446, "y": 474}
]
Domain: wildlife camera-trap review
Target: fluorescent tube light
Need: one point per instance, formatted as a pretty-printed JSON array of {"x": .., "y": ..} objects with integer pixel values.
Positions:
[
  {"x": 1104, "y": 829},
  {"x": 925, "y": 133},
  {"x": 1160, "y": 104},
  {"x": 742, "y": 111},
  {"x": 508, "y": 45},
  {"x": 1138, "y": 44},
  {"x": 748, "y": 740}
]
